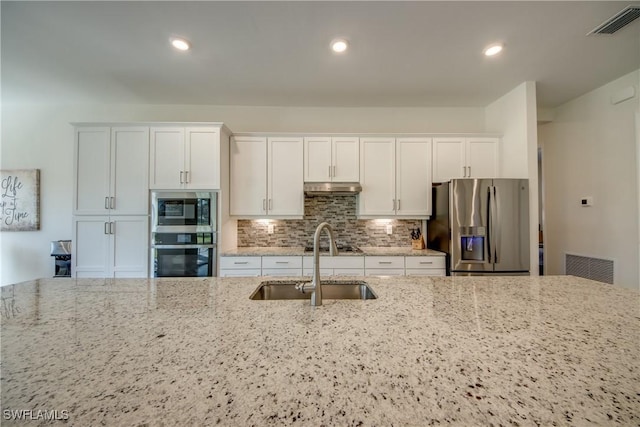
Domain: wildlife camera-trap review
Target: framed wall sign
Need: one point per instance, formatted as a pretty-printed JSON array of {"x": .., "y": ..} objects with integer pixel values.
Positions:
[{"x": 20, "y": 200}]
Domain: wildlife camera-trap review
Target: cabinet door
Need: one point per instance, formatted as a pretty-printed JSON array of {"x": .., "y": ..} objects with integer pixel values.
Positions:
[
  {"x": 377, "y": 176},
  {"x": 345, "y": 159},
  {"x": 129, "y": 171},
  {"x": 202, "y": 158},
  {"x": 285, "y": 177},
  {"x": 92, "y": 168},
  {"x": 413, "y": 177},
  {"x": 129, "y": 246},
  {"x": 167, "y": 158},
  {"x": 317, "y": 159},
  {"x": 448, "y": 159},
  {"x": 482, "y": 157},
  {"x": 248, "y": 169},
  {"x": 90, "y": 249}
]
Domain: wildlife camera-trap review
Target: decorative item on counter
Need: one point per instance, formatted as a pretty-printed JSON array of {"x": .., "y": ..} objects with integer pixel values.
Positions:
[{"x": 417, "y": 242}]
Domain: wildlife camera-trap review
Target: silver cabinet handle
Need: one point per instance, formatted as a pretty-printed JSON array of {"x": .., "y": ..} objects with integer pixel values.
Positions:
[
  {"x": 329, "y": 171},
  {"x": 270, "y": 204},
  {"x": 106, "y": 228},
  {"x": 106, "y": 202},
  {"x": 398, "y": 202},
  {"x": 282, "y": 262},
  {"x": 186, "y": 177},
  {"x": 469, "y": 171},
  {"x": 384, "y": 262},
  {"x": 393, "y": 204},
  {"x": 426, "y": 262},
  {"x": 241, "y": 262},
  {"x": 112, "y": 227},
  {"x": 181, "y": 180},
  {"x": 112, "y": 202},
  {"x": 264, "y": 205},
  {"x": 334, "y": 172},
  {"x": 464, "y": 171}
]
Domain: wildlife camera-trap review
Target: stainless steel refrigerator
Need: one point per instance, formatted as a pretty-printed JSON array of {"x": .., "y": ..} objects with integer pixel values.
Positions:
[{"x": 482, "y": 225}]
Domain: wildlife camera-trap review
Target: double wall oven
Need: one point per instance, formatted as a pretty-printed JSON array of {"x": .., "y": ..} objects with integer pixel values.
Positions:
[{"x": 183, "y": 233}]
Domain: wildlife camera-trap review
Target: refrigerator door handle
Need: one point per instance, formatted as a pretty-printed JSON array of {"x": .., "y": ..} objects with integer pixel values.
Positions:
[
  {"x": 489, "y": 226},
  {"x": 495, "y": 227}
]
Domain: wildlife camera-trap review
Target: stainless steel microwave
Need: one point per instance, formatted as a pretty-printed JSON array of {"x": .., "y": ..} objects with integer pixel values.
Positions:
[{"x": 183, "y": 211}]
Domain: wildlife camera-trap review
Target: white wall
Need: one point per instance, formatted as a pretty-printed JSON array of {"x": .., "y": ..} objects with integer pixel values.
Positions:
[
  {"x": 39, "y": 136},
  {"x": 590, "y": 150},
  {"x": 514, "y": 115}
]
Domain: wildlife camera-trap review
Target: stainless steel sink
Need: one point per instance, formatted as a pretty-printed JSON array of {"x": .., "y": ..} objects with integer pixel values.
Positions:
[{"x": 331, "y": 289}]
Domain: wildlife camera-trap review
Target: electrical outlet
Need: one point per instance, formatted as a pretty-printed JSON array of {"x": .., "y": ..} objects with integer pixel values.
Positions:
[
  {"x": 270, "y": 228},
  {"x": 389, "y": 228}
]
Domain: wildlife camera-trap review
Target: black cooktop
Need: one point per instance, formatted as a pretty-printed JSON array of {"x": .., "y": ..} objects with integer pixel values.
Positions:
[{"x": 341, "y": 248}]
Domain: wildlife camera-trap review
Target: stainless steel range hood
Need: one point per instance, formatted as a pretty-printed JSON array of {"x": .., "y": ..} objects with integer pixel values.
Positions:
[{"x": 331, "y": 188}]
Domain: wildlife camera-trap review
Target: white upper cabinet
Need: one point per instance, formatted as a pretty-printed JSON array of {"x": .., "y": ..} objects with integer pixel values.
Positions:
[
  {"x": 329, "y": 159},
  {"x": 465, "y": 158},
  {"x": 248, "y": 178},
  {"x": 413, "y": 177},
  {"x": 111, "y": 171},
  {"x": 377, "y": 176},
  {"x": 185, "y": 158},
  {"x": 266, "y": 177},
  {"x": 395, "y": 175}
]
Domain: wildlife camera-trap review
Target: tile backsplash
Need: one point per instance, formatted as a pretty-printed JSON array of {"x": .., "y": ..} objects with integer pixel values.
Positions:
[{"x": 340, "y": 212}]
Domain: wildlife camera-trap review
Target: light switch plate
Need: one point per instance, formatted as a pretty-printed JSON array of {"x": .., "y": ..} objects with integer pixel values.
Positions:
[
  {"x": 389, "y": 228},
  {"x": 270, "y": 228}
]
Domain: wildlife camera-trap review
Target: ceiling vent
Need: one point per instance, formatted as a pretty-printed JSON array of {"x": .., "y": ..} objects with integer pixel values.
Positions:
[{"x": 618, "y": 21}]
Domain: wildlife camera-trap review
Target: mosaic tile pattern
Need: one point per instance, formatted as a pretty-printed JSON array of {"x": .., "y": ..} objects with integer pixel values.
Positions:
[{"x": 340, "y": 212}]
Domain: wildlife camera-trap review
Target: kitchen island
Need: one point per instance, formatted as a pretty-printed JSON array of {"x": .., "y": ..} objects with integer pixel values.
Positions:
[{"x": 428, "y": 350}]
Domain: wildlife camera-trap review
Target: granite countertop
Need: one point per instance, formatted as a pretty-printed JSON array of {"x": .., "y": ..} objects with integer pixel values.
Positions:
[
  {"x": 430, "y": 350},
  {"x": 295, "y": 251}
]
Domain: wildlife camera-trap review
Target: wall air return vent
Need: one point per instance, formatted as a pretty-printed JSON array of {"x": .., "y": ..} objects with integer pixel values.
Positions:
[
  {"x": 589, "y": 268},
  {"x": 618, "y": 21}
]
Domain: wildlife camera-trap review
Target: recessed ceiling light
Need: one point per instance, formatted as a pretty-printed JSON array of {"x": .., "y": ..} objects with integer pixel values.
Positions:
[
  {"x": 494, "y": 49},
  {"x": 180, "y": 44},
  {"x": 339, "y": 45}
]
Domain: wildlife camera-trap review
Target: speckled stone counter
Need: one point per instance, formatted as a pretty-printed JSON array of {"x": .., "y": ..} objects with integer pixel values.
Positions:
[
  {"x": 460, "y": 351},
  {"x": 293, "y": 251}
]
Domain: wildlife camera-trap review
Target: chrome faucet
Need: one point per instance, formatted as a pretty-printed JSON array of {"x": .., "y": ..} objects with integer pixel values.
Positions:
[{"x": 315, "y": 287}]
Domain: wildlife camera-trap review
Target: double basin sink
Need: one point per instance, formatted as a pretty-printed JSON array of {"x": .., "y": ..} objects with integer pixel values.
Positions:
[{"x": 331, "y": 289}]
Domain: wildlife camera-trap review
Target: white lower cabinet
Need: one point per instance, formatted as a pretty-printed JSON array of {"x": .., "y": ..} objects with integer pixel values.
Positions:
[
  {"x": 282, "y": 266},
  {"x": 335, "y": 265},
  {"x": 296, "y": 266},
  {"x": 425, "y": 266},
  {"x": 108, "y": 246},
  {"x": 384, "y": 265},
  {"x": 240, "y": 266}
]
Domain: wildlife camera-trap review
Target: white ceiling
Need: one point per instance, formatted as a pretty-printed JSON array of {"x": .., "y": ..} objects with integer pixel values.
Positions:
[{"x": 276, "y": 53}]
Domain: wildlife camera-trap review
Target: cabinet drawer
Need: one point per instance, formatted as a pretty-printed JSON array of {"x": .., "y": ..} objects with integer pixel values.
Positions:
[
  {"x": 385, "y": 272},
  {"x": 425, "y": 262},
  {"x": 335, "y": 262},
  {"x": 282, "y": 262},
  {"x": 240, "y": 272},
  {"x": 323, "y": 272},
  {"x": 228, "y": 262},
  {"x": 426, "y": 272},
  {"x": 387, "y": 262},
  {"x": 285, "y": 272}
]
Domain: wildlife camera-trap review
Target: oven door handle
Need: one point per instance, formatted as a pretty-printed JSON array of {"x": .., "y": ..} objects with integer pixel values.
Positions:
[{"x": 183, "y": 246}]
